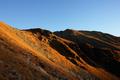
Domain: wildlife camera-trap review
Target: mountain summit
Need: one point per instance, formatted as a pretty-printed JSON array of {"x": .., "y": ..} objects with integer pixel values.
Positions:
[{"x": 37, "y": 54}]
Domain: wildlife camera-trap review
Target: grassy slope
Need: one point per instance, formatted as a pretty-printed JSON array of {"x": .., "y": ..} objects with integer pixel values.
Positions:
[{"x": 27, "y": 55}]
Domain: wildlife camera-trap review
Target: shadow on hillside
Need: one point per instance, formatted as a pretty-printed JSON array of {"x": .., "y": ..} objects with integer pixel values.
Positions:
[
  {"x": 101, "y": 57},
  {"x": 93, "y": 56},
  {"x": 63, "y": 50}
]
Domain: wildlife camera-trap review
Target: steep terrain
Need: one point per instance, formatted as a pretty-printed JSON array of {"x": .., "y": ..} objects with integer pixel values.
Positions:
[{"x": 37, "y": 54}]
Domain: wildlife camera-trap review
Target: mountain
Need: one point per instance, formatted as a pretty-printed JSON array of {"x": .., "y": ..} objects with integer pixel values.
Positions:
[{"x": 37, "y": 54}]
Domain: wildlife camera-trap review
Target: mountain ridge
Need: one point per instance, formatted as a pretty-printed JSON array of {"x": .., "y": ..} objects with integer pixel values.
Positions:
[{"x": 65, "y": 55}]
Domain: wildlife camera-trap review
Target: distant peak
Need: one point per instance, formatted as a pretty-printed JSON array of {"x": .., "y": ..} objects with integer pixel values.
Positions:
[
  {"x": 69, "y": 30},
  {"x": 40, "y": 31}
]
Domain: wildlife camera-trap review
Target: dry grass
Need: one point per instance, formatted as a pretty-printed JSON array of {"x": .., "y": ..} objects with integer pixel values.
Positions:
[{"x": 25, "y": 55}]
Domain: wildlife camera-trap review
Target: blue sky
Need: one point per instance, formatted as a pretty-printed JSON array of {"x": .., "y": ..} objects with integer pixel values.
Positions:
[{"x": 98, "y": 15}]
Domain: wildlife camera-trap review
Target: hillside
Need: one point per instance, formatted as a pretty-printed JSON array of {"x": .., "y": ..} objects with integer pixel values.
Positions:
[{"x": 37, "y": 54}]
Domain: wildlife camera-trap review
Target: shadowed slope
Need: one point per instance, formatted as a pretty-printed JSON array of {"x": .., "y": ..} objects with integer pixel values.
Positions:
[{"x": 100, "y": 48}]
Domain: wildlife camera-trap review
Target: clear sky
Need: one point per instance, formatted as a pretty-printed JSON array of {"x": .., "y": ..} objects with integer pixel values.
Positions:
[{"x": 98, "y": 15}]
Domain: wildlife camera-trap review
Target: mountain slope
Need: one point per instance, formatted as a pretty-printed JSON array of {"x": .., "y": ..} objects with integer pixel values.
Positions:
[
  {"x": 37, "y": 54},
  {"x": 100, "y": 48}
]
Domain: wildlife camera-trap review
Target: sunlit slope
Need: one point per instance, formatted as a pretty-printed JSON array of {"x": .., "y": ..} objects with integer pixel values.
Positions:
[
  {"x": 20, "y": 61},
  {"x": 37, "y": 54}
]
